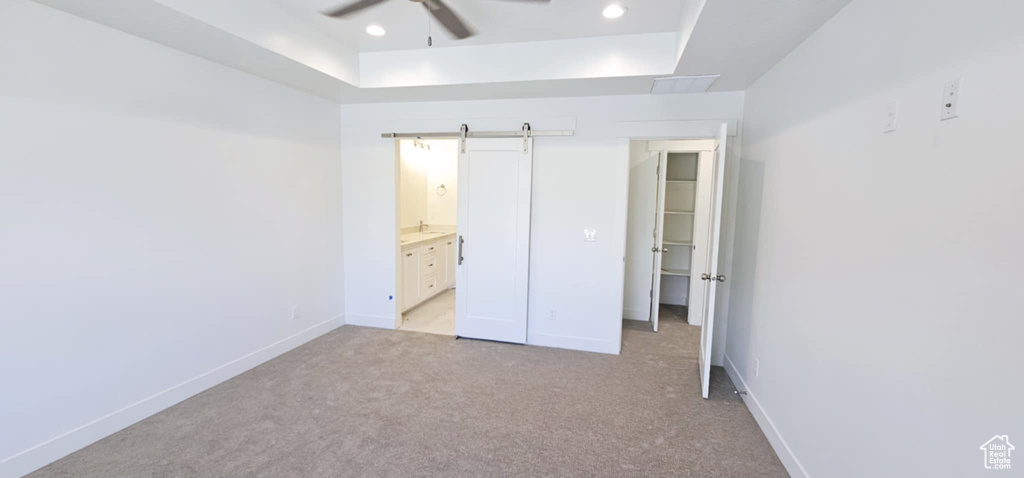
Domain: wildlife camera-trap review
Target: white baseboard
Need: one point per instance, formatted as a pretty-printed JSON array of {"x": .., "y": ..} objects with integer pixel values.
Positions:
[
  {"x": 636, "y": 314},
  {"x": 62, "y": 445},
  {"x": 585, "y": 344},
  {"x": 673, "y": 299},
  {"x": 778, "y": 443},
  {"x": 366, "y": 320}
]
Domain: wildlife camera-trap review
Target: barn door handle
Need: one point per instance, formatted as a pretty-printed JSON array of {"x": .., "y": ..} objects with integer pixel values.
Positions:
[{"x": 460, "y": 249}]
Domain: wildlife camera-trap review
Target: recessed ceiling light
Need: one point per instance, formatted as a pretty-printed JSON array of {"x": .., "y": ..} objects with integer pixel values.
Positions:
[
  {"x": 614, "y": 11},
  {"x": 375, "y": 30}
]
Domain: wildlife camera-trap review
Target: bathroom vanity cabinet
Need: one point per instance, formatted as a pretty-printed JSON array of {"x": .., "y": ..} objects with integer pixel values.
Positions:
[{"x": 428, "y": 268}]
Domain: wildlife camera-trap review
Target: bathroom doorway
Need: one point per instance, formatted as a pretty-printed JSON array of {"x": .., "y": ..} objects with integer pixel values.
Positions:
[{"x": 428, "y": 212}]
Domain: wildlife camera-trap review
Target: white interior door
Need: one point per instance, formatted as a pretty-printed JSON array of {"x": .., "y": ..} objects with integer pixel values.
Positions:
[
  {"x": 641, "y": 234},
  {"x": 712, "y": 275},
  {"x": 493, "y": 249},
  {"x": 702, "y": 219},
  {"x": 659, "y": 239}
]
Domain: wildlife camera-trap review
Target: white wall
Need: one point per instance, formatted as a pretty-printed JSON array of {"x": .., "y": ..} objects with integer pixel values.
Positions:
[
  {"x": 877, "y": 275},
  {"x": 422, "y": 172},
  {"x": 443, "y": 169},
  {"x": 161, "y": 215},
  {"x": 593, "y": 57},
  {"x": 413, "y": 185},
  {"x": 579, "y": 182}
]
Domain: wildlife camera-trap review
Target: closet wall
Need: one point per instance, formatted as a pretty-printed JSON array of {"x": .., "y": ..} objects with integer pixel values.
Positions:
[{"x": 678, "y": 226}]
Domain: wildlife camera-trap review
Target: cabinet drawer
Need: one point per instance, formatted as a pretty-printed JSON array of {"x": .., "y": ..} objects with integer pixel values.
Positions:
[
  {"x": 429, "y": 286},
  {"x": 430, "y": 249},
  {"x": 428, "y": 265}
]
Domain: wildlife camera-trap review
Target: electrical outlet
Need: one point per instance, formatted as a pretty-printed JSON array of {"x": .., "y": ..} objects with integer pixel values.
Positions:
[
  {"x": 553, "y": 315},
  {"x": 590, "y": 235},
  {"x": 890, "y": 117},
  {"x": 951, "y": 99},
  {"x": 757, "y": 367},
  {"x": 295, "y": 312}
]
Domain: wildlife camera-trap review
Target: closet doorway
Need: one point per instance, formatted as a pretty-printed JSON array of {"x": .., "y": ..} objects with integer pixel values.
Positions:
[{"x": 674, "y": 217}]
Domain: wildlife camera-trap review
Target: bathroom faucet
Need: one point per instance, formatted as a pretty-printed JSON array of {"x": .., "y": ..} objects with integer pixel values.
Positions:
[{"x": 423, "y": 226}]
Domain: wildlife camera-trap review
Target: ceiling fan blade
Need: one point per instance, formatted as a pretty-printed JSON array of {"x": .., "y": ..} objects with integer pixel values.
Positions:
[
  {"x": 351, "y": 8},
  {"x": 448, "y": 18}
]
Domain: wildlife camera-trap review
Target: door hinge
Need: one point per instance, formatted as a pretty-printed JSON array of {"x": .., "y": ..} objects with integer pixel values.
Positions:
[{"x": 650, "y": 293}]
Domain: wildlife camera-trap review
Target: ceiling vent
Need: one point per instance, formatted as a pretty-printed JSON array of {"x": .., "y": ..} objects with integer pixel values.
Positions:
[{"x": 683, "y": 84}]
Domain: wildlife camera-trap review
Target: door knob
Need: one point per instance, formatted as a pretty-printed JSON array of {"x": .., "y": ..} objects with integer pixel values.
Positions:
[
  {"x": 705, "y": 276},
  {"x": 655, "y": 249},
  {"x": 719, "y": 278}
]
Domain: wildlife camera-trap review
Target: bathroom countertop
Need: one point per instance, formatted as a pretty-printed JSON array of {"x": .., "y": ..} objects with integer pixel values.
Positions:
[{"x": 415, "y": 239}]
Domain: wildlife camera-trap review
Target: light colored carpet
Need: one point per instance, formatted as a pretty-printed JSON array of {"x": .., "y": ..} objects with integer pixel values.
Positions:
[
  {"x": 367, "y": 402},
  {"x": 435, "y": 316}
]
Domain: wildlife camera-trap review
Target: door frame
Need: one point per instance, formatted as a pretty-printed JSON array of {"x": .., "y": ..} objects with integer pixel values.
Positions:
[
  {"x": 662, "y": 130},
  {"x": 397, "y": 296},
  {"x": 663, "y": 146}
]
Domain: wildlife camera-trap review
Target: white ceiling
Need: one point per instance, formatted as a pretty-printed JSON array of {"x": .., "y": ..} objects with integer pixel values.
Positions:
[
  {"x": 568, "y": 50},
  {"x": 495, "y": 21},
  {"x": 742, "y": 39}
]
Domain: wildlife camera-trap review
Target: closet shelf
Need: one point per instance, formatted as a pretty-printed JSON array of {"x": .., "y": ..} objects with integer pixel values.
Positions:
[
  {"x": 677, "y": 243},
  {"x": 675, "y": 272},
  {"x": 680, "y": 181},
  {"x": 690, "y": 213}
]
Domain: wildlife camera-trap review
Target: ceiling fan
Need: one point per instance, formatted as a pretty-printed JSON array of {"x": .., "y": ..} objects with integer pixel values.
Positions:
[{"x": 437, "y": 8}]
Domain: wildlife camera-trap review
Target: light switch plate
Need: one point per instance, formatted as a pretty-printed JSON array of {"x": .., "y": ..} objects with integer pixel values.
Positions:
[
  {"x": 890, "y": 117},
  {"x": 590, "y": 235},
  {"x": 951, "y": 99}
]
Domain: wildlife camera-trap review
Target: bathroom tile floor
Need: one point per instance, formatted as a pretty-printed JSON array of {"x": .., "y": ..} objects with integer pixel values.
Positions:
[{"x": 435, "y": 316}]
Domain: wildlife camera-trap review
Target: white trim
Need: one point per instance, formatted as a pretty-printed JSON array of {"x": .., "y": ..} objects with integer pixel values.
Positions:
[
  {"x": 367, "y": 320},
  {"x": 47, "y": 452},
  {"x": 778, "y": 443},
  {"x": 572, "y": 342}
]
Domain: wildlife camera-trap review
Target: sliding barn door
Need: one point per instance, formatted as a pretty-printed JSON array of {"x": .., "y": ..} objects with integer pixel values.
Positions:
[
  {"x": 712, "y": 276},
  {"x": 493, "y": 251}
]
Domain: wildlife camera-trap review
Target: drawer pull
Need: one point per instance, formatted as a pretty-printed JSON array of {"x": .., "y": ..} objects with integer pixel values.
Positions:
[{"x": 408, "y": 255}]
